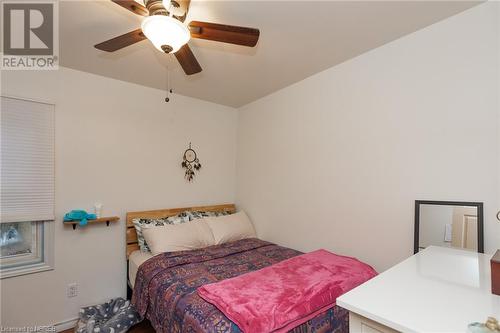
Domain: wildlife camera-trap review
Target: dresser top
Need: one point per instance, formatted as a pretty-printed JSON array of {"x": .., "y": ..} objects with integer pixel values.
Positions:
[{"x": 437, "y": 290}]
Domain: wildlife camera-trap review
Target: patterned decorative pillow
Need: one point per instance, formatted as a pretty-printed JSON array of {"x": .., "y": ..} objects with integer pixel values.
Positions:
[
  {"x": 193, "y": 215},
  {"x": 183, "y": 217}
]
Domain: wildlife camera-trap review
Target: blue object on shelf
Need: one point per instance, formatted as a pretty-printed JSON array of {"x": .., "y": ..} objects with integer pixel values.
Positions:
[{"x": 79, "y": 215}]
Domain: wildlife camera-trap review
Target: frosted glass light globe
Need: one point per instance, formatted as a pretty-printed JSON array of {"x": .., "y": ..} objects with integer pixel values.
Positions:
[{"x": 166, "y": 33}]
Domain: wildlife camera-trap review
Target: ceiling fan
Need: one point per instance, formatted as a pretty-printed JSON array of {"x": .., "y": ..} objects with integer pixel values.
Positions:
[{"x": 164, "y": 26}]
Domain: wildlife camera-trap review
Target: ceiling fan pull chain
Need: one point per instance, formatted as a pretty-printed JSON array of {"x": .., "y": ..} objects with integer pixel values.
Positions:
[{"x": 168, "y": 90}]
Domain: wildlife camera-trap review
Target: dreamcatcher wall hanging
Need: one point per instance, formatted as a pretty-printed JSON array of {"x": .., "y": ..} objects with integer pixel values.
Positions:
[{"x": 190, "y": 162}]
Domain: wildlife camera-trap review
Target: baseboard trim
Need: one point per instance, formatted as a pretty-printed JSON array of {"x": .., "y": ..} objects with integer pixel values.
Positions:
[{"x": 66, "y": 325}]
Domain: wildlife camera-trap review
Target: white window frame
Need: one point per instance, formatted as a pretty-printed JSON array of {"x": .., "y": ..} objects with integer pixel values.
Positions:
[
  {"x": 43, "y": 235},
  {"x": 41, "y": 260}
]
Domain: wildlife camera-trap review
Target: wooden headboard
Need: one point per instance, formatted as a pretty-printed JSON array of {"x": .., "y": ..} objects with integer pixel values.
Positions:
[{"x": 131, "y": 235}]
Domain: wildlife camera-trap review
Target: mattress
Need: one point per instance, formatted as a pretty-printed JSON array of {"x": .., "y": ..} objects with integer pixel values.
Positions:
[{"x": 135, "y": 260}]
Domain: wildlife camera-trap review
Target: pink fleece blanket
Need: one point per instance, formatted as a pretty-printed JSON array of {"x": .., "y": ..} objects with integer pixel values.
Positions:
[{"x": 282, "y": 296}]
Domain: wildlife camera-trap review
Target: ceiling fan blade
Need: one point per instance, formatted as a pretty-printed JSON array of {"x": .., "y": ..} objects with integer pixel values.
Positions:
[
  {"x": 187, "y": 60},
  {"x": 133, "y": 6},
  {"x": 224, "y": 33},
  {"x": 121, "y": 41}
]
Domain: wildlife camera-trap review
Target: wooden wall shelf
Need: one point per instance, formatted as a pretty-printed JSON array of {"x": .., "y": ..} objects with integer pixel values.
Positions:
[{"x": 106, "y": 220}]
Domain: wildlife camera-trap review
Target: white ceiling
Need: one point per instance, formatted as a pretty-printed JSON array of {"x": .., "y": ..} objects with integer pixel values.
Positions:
[{"x": 298, "y": 39}]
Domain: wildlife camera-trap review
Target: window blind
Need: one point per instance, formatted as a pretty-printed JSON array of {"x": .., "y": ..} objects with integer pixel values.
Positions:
[{"x": 27, "y": 160}]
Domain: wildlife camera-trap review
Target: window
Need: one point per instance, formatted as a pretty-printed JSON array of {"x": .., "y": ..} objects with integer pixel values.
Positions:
[{"x": 27, "y": 187}]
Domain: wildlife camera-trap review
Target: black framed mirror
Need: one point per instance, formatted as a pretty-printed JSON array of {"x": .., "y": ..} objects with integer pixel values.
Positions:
[{"x": 454, "y": 224}]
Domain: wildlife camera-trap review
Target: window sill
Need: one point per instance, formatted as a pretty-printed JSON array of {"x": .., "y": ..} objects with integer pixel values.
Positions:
[{"x": 28, "y": 269}]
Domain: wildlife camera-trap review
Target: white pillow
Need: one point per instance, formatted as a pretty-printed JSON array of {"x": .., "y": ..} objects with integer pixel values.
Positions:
[
  {"x": 179, "y": 237},
  {"x": 230, "y": 228}
]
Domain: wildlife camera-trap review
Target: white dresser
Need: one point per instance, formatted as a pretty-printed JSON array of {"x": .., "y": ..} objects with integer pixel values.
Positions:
[{"x": 437, "y": 290}]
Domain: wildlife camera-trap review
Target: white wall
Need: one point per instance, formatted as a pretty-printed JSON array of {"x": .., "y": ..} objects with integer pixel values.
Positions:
[
  {"x": 122, "y": 145},
  {"x": 337, "y": 160}
]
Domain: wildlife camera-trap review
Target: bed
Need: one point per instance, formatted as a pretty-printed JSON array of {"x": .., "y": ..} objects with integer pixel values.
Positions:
[{"x": 165, "y": 285}]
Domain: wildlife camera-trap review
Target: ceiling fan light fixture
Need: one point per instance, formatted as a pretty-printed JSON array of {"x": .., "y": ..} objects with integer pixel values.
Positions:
[{"x": 167, "y": 34}]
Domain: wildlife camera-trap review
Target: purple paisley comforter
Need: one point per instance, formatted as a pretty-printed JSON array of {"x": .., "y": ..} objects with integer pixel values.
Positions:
[{"x": 165, "y": 287}]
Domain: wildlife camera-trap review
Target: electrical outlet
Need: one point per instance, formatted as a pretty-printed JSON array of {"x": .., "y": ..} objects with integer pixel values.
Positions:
[{"x": 72, "y": 290}]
